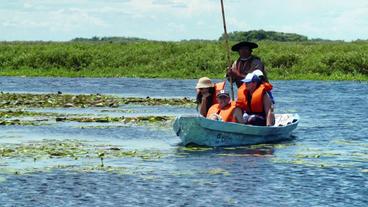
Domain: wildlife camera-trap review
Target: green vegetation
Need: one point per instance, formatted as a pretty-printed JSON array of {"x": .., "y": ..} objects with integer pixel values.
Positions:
[
  {"x": 258, "y": 35},
  {"x": 14, "y": 109},
  {"x": 75, "y": 149},
  {"x": 186, "y": 59},
  {"x": 108, "y": 39},
  {"x": 139, "y": 119},
  {"x": 69, "y": 154},
  {"x": 19, "y": 100}
]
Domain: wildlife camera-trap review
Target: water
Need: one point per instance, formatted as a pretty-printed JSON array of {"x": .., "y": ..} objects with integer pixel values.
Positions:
[
  {"x": 127, "y": 87},
  {"x": 325, "y": 165}
]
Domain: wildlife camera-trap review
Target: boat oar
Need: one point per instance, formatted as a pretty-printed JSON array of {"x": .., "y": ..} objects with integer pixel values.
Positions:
[{"x": 226, "y": 37}]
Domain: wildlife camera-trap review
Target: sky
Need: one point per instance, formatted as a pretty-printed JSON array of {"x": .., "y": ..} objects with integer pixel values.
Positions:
[{"x": 63, "y": 20}]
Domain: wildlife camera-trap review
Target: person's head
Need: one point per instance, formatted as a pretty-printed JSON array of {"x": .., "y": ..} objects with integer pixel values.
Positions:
[
  {"x": 245, "y": 52},
  {"x": 203, "y": 85},
  {"x": 260, "y": 75},
  {"x": 223, "y": 98},
  {"x": 244, "y": 48},
  {"x": 252, "y": 81}
]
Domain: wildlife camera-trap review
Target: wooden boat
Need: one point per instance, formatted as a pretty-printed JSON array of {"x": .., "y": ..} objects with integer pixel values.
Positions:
[{"x": 205, "y": 132}]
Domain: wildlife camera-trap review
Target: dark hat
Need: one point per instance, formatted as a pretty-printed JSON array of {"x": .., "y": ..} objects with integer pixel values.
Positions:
[{"x": 239, "y": 45}]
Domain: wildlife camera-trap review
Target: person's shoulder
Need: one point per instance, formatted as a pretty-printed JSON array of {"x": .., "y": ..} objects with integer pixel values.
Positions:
[
  {"x": 256, "y": 59},
  {"x": 215, "y": 106},
  {"x": 236, "y": 61}
]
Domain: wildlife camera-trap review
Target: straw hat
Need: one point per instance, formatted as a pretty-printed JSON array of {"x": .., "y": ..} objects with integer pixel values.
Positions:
[{"x": 204, "y": 82}]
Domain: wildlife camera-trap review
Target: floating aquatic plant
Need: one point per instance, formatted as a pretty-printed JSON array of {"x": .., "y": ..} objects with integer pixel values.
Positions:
[
  {"x": 21, "y": 122},
  {"x": 48, "y": 149},
  {"x": 218, "y": 171},
  {"x": 2, "y": 179},
  {"x": 21, "y": 113},
  {"x": 67, "y": 152},
  {"x": 17, "y": 100},
  {"x": 117, "y": 119}
]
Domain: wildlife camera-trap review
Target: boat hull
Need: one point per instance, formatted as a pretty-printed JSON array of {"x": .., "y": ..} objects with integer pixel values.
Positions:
[{"x": 201, "y": 131}]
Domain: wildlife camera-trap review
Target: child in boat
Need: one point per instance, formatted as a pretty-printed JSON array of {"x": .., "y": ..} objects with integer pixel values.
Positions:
[{"x": 225, "y": 110}]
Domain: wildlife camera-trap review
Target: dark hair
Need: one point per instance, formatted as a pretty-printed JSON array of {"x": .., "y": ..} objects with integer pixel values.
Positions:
[{"x": 209, "y": 102}]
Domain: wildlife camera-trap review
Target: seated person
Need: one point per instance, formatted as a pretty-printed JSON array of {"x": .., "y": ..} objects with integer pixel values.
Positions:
[
  {"x": 206, "y": 94},
  {"x": 225, "y": 110},
  {"x": 255, "y": 102},
  {"x": 262, "y": 78}
]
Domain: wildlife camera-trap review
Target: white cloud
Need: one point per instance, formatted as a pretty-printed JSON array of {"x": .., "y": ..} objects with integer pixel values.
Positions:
[
  {"x": 60, "y": 20},
  {"x": 178, "y": 19},
  {"x": 73, "y": 19}
]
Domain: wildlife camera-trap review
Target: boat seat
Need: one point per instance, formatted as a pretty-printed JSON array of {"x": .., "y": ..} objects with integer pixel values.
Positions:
[{"x": 284, "y": 119}]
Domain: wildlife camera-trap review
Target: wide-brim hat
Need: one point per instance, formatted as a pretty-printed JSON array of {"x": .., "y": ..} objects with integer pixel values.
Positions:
[
  {"x": 204, "y": 82},
  {"x": 250, "y": 45}
]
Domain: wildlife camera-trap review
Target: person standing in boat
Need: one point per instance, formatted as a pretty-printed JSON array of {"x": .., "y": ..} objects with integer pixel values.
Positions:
[
  {"x": 225, "y": 110},
  {"x": 246, "y": 63},
  {"x": 206, "y": 94},
  {"x": 255, "y": 102}
]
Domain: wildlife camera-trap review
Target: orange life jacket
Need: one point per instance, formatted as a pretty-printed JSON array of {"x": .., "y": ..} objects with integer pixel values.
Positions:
[
  {"x": 218, "y": 87},
  {"x": 256, "y": 105},
  {"x": 225, "y": 113}
]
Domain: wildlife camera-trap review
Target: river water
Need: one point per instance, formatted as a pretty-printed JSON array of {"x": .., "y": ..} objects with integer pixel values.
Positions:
[{"x": 326, "y": 164}]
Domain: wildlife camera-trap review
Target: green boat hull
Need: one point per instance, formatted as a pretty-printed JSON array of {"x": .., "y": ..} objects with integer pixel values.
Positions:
[{"x": 205, "y": 132}]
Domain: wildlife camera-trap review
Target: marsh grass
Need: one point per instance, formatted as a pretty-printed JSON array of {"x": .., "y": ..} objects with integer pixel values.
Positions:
[{"x": 187, "y": 59}]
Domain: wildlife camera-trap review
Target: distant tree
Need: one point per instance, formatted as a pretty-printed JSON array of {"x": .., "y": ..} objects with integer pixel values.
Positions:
[
  {"x": 108, "y": 39},
  {"x": 257, "y": 35}
]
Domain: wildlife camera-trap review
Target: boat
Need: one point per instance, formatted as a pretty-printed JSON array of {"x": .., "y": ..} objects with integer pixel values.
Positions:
[{"x": 197, "y": 130}]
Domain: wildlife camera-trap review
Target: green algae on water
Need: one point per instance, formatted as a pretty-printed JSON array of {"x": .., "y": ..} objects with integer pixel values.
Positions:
[
  {"x": 21, "y": 122},
  {"x": 75, "y": 149},
  {"x": 2, "y": 179},
  {"x": 19, "y": 100},
  {"x": 150, "y": 119},
  {"x": 218, "y": 171},
  {"x": 21, "y": 113},
  {"x": 68, "y": 154}
]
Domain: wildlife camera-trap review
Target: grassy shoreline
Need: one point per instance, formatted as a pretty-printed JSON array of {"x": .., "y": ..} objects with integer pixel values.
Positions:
[
  {"x": 336, "y": 76},
  {"x": 184, "y": 60}
]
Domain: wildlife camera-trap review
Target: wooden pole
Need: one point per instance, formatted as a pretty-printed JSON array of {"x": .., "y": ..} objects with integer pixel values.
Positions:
[{"x": 227, "y": 47}]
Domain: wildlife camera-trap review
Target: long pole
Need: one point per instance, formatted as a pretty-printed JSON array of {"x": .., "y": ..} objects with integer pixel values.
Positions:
[{"x": 227, "y": 47}]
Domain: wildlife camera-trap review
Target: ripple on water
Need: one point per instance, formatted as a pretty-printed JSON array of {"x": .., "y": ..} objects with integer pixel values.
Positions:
[{"x": 325, "y": 165}]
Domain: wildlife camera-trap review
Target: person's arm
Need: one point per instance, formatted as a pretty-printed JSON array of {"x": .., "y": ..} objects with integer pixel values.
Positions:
[
  {"x": 238, "y": 114},
  {"x": 203, "y": 105},
  {"x": 234, "y": 73},
  {"x": 268, "y": 107}
]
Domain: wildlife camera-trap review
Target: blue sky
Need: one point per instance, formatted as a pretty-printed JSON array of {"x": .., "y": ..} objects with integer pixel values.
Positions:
[{"x": 179, "y": 19}]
